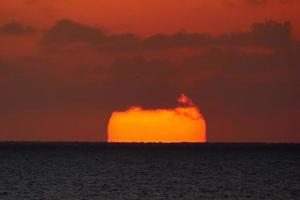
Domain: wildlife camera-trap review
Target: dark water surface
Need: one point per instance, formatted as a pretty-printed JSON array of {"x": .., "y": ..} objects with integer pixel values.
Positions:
[{"x": 149, "y": 171}]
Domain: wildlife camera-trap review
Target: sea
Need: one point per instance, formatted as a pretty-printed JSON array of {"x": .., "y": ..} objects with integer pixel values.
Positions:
[{"x": 90, "y": 171}]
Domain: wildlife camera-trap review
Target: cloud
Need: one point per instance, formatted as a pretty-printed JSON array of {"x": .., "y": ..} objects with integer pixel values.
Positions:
[
  {"x": 17, "y": 29},
  {"x": 256, "y": 2},
  {"x": 235, "y": 90},
  {"x": 66, "y": 33},
  {"x": 227, "y": 81},
  {"x": 262, "y": 2},
  {"x": 268, "y": 34},
  {"x": 222, "y": 75}
]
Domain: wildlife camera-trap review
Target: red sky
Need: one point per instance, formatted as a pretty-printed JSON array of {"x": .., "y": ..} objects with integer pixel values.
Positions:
[
  {"x": 148, "y": 17},
  {"x": 61, "y": 79}
]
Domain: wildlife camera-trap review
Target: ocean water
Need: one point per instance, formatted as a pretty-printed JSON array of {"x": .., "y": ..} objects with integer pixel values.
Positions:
[{"x": 149, "y": 171}]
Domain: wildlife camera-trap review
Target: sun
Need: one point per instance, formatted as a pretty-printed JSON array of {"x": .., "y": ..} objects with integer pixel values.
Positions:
[{"x": 184, "y": 123}]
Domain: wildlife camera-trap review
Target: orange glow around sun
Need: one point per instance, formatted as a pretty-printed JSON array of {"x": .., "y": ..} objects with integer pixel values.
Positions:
[{"x": 181, "y": 124}]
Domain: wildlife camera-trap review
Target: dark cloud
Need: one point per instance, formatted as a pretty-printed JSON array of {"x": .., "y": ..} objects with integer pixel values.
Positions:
[
  {"x": 16, "y": 28},
  {"x": 262, "y": 2},
  {"x": 269, "y": 34},
  {"x": 256, "y": 2},
  {"x": 177, "y": 40},
  {"x": 238, "y": 91},
  {"x": 235, "y": 90},
  {"x": 126, "y": 81},
  {"x": 66, "y": 32}
]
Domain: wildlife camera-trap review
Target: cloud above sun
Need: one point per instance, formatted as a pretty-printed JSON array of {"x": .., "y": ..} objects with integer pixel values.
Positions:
[{"x": 67, "y": 32}]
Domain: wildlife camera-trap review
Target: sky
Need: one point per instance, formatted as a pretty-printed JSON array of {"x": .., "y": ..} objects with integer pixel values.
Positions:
[{"x": 66, "y": 66}]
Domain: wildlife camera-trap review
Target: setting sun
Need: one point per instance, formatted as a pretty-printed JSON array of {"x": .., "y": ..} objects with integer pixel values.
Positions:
[{"x": 181, "y": 124}]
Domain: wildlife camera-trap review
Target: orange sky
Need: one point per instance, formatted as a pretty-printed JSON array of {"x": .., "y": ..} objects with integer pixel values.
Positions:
[{"x": 62, "y": 79}]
